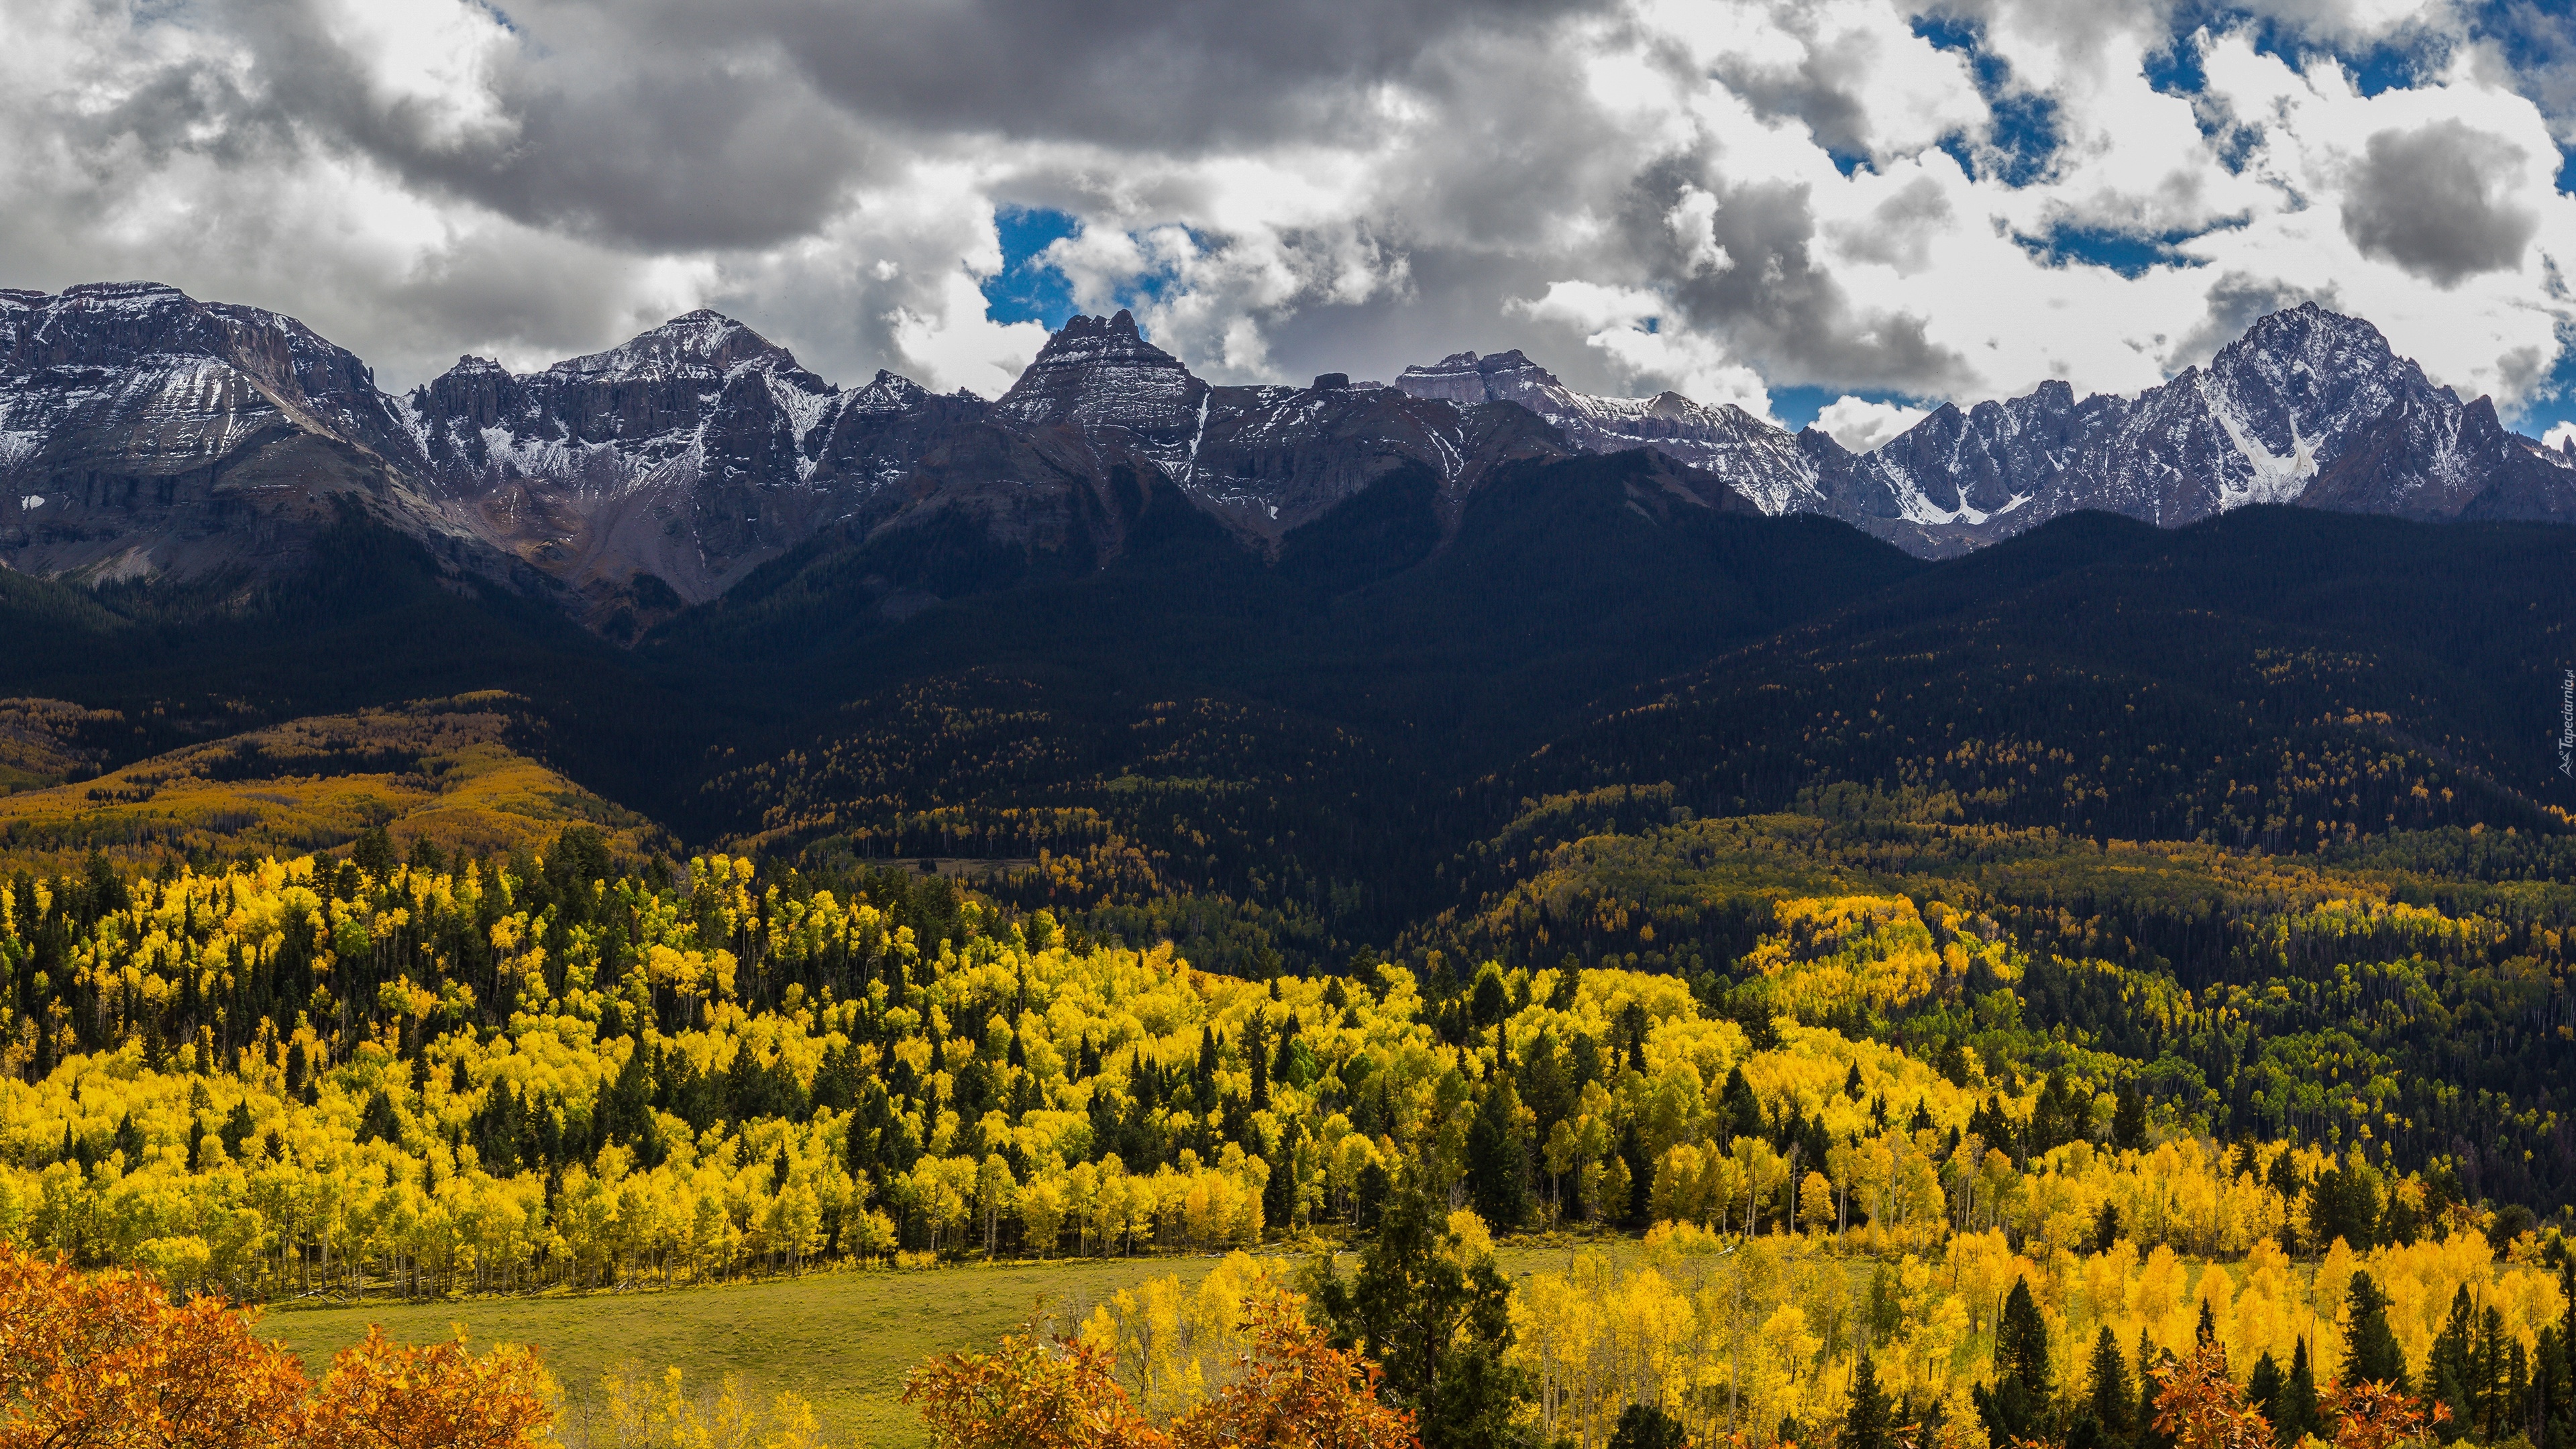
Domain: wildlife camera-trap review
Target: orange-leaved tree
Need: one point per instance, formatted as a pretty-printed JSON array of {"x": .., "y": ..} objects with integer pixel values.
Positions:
[
  {"x": 1293, "y": 1391},
  {"x": 1030, "y": 1392},
  {"x": 1290, "y": 1391},
  {"x": 107, "y": 1361},
  {"x": 2198, "y": 1406},
  {"x": 384, "y": 1395},
  {"x": 2378, "y": 1416}
]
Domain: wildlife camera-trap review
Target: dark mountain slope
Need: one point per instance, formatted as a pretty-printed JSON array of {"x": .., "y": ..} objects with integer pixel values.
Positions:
[
  {"x": 1244, "y": 725},
  {"x": 372, "y": 621},
  {"x": 2273, "y": 678}
]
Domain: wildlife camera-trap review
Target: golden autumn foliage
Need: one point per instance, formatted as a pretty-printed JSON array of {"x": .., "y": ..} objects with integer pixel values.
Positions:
[
  {"x": 1029, "y": 1393},
  {"x": 1287, "y": 1389},
  {"x": 107, "y": 1361},
  {"x": 646, "y": 1411},
  {"x": 442, "y": 770}
]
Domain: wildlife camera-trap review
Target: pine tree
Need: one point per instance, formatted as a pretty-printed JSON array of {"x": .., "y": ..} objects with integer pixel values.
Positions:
[
  {"x": 2263, "y": 1389},
  {"x": 1865, "y": 1426},
  {"x": 1643, "y": 1426},
  {"x": 2376, "y": 1357},
  {"x": 2300, "y": 1413},
  {"x": 2110, "y": 1400},
  {"x": 1641, "y": 1175},
  {"x": 378, "y": 1123},
  {"x": 2129, "y": 1123},
  {"x": 2106, "y": 1228},
  {"x": 2491, "y": 1386},
  {"x": 2554, "y": 1376},
  {"x": 1496, "y": 1174},
  {"x": 2147, "y": 1435},
  {"x": 1743, "y": 1111},
  {"x": 1440, "y": 1328},
  {"x": 2018, "y": 1403},
  {"x": 2449, "y": 1371},
  {"x": 1279, "y": 1192},
  {"x": 2021, "y": 1342}
]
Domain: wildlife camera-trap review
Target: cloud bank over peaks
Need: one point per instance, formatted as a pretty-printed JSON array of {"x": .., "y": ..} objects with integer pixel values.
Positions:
[{"x": 1742, "y": 200}]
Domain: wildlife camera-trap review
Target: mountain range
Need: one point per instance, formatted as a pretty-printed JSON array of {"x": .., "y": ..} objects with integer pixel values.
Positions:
[{"x": 144, "y": 435}]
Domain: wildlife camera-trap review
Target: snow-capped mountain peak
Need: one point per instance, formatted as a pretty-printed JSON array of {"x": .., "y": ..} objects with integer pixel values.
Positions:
[{"x": 700, "y": 346}]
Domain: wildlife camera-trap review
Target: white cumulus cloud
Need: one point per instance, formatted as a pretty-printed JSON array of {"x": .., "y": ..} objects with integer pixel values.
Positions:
[{"x": 1861, "y": 425}]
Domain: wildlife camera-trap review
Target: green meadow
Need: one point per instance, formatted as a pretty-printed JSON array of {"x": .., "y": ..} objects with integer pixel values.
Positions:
[{"x": 842, "y": 1340}]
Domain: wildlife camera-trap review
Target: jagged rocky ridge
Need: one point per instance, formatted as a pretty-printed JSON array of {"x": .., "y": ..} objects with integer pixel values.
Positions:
[
  {"x": 2308, "y": 407},
  {"x": 143, "y": 433}
]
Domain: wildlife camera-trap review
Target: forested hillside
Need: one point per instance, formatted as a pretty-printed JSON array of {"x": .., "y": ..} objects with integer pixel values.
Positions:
[{"x": 412, "y": 1075}]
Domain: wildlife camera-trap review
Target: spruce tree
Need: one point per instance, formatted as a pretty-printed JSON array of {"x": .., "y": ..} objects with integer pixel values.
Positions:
[
  {"x": 2263, "y": 1389},
  {"x": 2300, "y": 1413},
  {"x": 1496, "y": 1174},
  {"x": 2449, "y": 1370},
  {"x": 1865, "y": 1426},
  {"x": 2129, "y": 1123},
  {"x": 2375, "y": 1357},
  {"x": 2111, "y": 1400}
]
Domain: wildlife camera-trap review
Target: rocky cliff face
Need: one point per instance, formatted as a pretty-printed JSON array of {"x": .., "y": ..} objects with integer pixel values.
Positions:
[
  {"x": 646, "y": 476},
  {"x": 1762, "y": 462},
  {"x": 145, "y": 434}
]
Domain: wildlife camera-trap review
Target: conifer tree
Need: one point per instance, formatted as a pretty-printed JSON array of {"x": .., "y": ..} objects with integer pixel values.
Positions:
[
  {"x": 2017, "y": 1405},
  {"x": 2110, "y": 1399},
  {"x": 2449, "y": 1370},
  {"x": 2375, "y": 1356},
  {"x": 1865, "y": 1425},
  {"x": 2129, "y": 1123},
  {"x": 2300, "y": 1413},
  {"x": 1643, "y": 1426},
  {"x": 1495, "y": 1170},
  {"x": 1438, "y": 1325},
  {"x": 2263, "y": 1389}
]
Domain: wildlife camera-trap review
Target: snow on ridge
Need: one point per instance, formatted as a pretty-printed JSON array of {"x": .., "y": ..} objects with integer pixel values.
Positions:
[
  {"x": 689, "y": 346},
  {"x": 2269, "y": 477}
]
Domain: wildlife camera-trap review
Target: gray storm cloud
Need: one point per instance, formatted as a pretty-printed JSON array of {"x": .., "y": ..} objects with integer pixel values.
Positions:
[
  {"x": 1702, "y": 187},
  {"x": 2435, "y": 201}
]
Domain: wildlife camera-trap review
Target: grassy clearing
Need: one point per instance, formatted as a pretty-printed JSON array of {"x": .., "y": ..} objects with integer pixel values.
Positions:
[{"x": 843, "y": 1340}]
